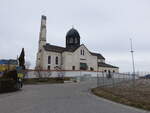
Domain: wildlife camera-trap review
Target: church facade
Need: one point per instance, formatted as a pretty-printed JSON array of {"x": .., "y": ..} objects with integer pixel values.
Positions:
[{"x": 74, "y": 56}]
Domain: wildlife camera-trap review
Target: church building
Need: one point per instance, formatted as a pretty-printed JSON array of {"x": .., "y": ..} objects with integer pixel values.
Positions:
[{"x": 74, "y": 56}]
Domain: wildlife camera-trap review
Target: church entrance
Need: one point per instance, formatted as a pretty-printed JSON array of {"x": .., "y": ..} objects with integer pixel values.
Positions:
[{"x": 83, "y": 66}]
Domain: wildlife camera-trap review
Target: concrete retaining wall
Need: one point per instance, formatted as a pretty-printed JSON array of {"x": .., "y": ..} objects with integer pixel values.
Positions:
[{"x": 37, "y": 74}]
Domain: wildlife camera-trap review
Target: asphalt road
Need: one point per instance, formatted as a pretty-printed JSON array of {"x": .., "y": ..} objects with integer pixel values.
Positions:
[{"x": 60, "y": 98}]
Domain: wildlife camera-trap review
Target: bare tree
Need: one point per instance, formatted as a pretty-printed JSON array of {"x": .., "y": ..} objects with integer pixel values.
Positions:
[
  {"x": 27, "y": 65},
  {"x": 38, "y": 70}
]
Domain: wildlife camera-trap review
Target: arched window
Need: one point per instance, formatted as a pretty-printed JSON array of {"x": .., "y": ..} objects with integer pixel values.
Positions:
[
  {"x": 76, "y": 40},
  {"x": 71, "y": 40},
  {"x": 81, "y": 51},
  {"x": 49, "y": 59},
  {"x": 56, "y": 60}
]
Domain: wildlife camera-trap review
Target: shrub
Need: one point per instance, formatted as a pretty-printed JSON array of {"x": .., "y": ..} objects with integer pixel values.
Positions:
[{"x": 7, "y": 85}]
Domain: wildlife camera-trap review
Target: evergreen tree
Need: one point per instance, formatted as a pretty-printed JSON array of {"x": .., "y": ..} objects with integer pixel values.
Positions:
[{"x": 22, "y": 59}]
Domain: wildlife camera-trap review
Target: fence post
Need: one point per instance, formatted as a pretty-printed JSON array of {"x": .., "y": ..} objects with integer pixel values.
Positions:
[
  {"x": 97, "y": 80},
  {"x": 113, "y": 79},
  {"x": 103, "y": 78}
]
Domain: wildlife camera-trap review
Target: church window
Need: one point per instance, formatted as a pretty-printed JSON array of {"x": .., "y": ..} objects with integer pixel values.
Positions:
[
  {"x": 73, "y": 67},
  {"x": 48, "y": 67},
  {"x": 56, "y": 60},
  {"x": 49, "y": 59},
  {"x": 81, "y": 51},
  {"x": 76, "y": 40},
  {"x": 71, "y": 40}
]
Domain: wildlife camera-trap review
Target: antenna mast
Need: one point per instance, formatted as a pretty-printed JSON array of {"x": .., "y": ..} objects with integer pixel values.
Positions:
[{"x": 132, "y": 59}]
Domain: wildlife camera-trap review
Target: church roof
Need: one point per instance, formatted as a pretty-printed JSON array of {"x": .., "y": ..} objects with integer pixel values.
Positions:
[
  {"x": 98, "y": 55},
  {"x": 54, "y": 48},
  {"x": 72, "y": 33},
  {"x": 101, "y": 64}
]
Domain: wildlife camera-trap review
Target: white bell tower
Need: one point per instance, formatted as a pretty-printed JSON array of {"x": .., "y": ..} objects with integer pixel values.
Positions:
[
  {"x": 42, "y": 42},
  {"x": 42, "y": 34}
]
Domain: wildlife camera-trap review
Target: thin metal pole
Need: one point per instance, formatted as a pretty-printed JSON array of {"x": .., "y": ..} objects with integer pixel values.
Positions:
[
  {"x": 132, "y": 60},
  {"x": 103, "y": 78},
  {"x": 97, "y": 74}
]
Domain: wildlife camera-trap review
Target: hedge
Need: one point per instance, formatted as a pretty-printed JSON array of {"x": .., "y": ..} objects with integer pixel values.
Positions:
[{"x": 7, "y": 85}]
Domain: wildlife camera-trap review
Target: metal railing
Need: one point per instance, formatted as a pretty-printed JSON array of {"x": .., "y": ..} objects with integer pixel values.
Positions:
[{"x": 112, "y": 79}]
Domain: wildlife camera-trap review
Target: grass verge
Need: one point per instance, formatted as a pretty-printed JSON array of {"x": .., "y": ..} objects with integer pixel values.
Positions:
[{"x": 124, "y": 96}]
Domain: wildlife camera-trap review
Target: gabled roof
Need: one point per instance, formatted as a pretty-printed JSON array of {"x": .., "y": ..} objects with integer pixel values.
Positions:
[
  {"x": 101, "y": 64},
  {"x": 54, "y": 48},
  {"x": 98, "y": 55}
]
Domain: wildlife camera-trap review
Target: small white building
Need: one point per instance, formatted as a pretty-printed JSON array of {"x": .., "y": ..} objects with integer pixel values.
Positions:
[{"x": 74, "y": 56}]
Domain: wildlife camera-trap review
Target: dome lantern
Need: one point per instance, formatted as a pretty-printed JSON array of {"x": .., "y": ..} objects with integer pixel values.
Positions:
[{"x": 72, "y": 38}]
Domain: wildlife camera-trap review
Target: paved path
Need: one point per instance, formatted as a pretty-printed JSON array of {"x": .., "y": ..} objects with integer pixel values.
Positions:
[{"x": 59, "y": 98}]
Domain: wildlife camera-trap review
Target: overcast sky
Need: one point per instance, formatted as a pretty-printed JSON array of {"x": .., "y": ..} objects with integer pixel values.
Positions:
[{"x": 105, "y": 26}]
